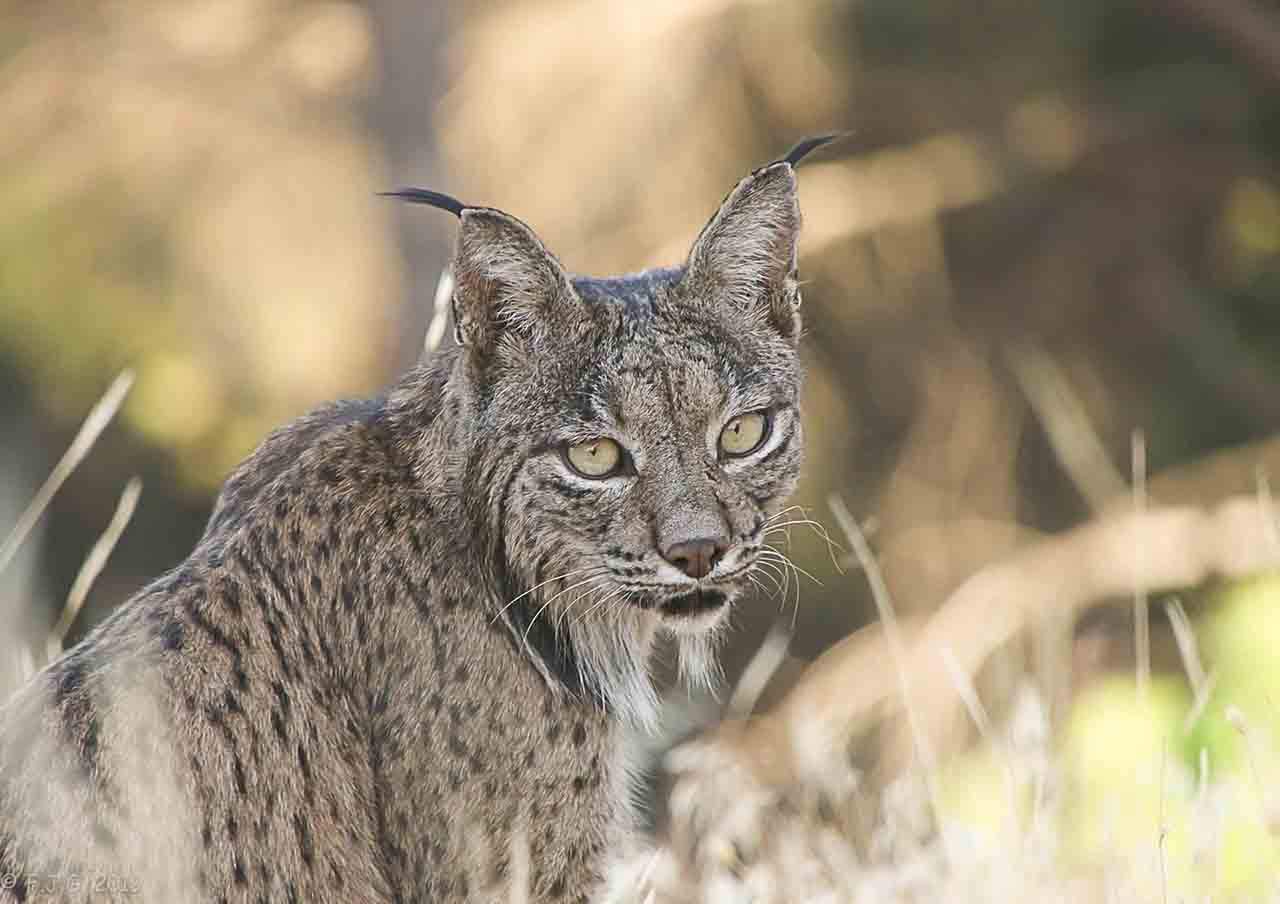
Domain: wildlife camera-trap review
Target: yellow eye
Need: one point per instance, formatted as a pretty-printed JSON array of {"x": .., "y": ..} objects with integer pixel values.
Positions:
[
  {"x": 595, "y": 458},
  {"x": 744, "y": 434}
]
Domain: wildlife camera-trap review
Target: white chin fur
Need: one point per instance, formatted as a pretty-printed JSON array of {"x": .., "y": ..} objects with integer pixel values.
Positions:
[
  {"x": 697, "y": 650},
  {"x": 615, "y": 650}
]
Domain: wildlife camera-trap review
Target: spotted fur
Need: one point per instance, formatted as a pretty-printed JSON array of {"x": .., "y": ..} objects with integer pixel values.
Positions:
[{"x": 411, "y": 634}]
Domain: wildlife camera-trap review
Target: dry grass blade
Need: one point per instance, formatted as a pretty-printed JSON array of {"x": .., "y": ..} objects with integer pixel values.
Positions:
[
  {"x": 24, "y": 660},
  {"x": 963, "y": 685},
  {"x": 893, "y": 639},
  {"x": 1201, "y": 683},
  {"x": 758, "y": 672},
  {"x": 1065, "y": 422},
  {"x": 1236, "y": 719},
  {"x": 1141, "y": 615},
  {"x": 93, "y": 565},
  {"x": 1267, "y": 502},
  {"x": 439, "y": 311},
  {"x": 1059, "y": 574},
  {"x": 96, "y": 421}
]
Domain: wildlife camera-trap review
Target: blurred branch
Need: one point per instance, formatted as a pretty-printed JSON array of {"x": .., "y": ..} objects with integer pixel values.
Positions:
[
  {"x": 1249, "y": 31},
  {"x": 1226, "y": 473},
  {"x": 1062, "y": 574}
]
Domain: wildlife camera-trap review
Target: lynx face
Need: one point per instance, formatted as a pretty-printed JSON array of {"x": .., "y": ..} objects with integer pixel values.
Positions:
[
  {"x": 630, "y": 436},
  {"x": 661, "y": 433}
]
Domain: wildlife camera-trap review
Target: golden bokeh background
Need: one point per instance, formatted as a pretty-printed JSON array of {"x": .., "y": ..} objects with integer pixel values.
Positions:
[{"x": 1054, "y": 226}]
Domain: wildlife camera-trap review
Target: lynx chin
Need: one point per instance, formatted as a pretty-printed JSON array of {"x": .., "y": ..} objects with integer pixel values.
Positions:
[{"x": 416, "y": 627}]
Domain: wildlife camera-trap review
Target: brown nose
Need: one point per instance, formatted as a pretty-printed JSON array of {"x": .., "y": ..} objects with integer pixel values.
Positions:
[{"x": 696, "y": 557}]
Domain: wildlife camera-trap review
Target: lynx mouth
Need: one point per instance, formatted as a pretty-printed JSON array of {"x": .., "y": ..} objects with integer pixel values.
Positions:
[{"x": 695, "y": 602}]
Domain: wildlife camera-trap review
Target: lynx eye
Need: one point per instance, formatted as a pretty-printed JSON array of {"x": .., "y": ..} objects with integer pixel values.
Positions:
[
  {"x": 596, "y": 458},
  {"x": 744, "y": 434}
]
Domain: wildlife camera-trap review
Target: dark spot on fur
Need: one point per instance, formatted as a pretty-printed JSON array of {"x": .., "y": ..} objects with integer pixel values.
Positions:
[
  {"x": 231, "y": 598},
  {"x": 80, "y": 722},
  {"x": 231, "y": 702},
  {"x": 237, "y": 771},
  {"x": 172, "y": 635},
  {"x": 304, "y": 763},
  {"x": 306, "y": 847},
  {"x": 277, "y": 724},
  {"x": 456, "y": 746},
  {"x": 215, "y": 634},
  {"x": 277, "y": 644}
]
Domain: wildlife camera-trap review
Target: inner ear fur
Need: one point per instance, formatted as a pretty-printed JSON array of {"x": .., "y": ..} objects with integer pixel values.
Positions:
[
  {"x": 505, "y": 279},
  {"x": 746, "y": 254}
]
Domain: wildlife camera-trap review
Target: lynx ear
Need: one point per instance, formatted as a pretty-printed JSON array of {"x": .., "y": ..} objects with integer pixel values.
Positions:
[
  {"x": 505, "y": 278},
  {"x": 747, "y": 253}
]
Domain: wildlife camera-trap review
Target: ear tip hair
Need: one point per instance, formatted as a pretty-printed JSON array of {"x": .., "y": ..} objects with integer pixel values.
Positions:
[
  {"x": 808, "y": 145},
  {"x": 430, "y": 198}
]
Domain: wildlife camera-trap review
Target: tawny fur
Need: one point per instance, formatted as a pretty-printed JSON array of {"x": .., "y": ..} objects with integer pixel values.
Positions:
[{"x": 410, "y": 633}]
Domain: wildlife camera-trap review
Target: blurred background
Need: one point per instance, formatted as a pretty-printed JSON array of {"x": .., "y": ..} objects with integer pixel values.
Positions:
[{"x": 1055, "y": 225}]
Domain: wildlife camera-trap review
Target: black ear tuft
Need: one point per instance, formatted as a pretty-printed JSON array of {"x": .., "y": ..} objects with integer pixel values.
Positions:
[
  {"x": 429, "y": 197},
  {"x": 802, "y": 150}
]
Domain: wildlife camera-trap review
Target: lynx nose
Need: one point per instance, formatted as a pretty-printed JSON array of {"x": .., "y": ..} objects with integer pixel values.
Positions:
[{"x": 695, "y": 557}]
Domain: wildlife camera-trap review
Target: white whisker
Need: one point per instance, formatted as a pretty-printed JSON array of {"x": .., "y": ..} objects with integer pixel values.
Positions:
[
  {"x": 600, "y": 602},
  {"x": 791, "y": 508},
  {"x": 817, "y": 527},
  {"x": 586, "y": 594},
  {"x": 792, "y": 564},
  {"x": 559, "y": 577},
  {"x": 774, "y": 573},
  {"x": 594, "y": 577}
]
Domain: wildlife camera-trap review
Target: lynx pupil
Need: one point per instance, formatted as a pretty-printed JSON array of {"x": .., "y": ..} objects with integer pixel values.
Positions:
[
  {"x": 595, "y": 458},
  {"x": 744, "y": 434}
]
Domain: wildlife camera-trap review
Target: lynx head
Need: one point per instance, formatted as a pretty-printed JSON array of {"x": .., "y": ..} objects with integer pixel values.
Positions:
[{"x": 629, "y": 437}]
